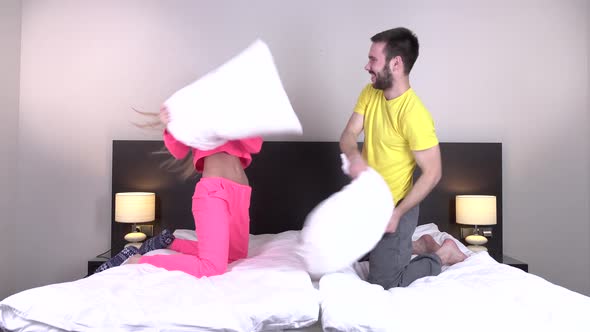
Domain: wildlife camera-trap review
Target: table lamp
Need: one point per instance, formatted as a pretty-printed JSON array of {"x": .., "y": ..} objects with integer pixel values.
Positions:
[
  {"x": 476, "y": 210},
  {"x": 133, "y": 208}
]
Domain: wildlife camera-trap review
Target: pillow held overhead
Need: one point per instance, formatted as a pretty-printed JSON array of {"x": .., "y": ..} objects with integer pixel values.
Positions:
[{"x": 242, "y": 98}]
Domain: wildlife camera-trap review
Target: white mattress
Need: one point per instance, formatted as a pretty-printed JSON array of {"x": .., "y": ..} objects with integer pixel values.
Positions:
[{"x": 271, "y": 291}]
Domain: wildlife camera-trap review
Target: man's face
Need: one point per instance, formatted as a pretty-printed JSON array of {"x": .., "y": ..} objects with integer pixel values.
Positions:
[{"x": 381, "y": 75}]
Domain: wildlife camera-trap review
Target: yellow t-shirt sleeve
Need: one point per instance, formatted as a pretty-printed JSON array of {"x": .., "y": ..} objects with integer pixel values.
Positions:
[
  {"x": 418, "y": 128},
  {"x": 363, "y": 101}
]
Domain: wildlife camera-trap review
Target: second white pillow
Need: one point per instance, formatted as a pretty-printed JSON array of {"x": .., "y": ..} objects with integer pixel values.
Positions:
[{"x": 347, "y": 225}]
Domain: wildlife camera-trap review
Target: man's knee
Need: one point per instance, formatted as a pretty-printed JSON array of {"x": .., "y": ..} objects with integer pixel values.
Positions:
[{"x": 385, "y": 282}]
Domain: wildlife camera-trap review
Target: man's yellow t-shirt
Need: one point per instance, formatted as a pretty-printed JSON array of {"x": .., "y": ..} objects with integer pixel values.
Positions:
[{"x": 393, "y": 129}]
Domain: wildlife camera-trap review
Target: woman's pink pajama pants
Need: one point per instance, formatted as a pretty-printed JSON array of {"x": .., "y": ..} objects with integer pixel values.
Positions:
[{"x": 222, "y": 223}]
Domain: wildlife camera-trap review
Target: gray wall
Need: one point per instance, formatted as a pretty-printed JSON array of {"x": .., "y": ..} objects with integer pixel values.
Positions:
[
  {"x": 488, "y": 71},
  {"x": 10, "y": 21}
]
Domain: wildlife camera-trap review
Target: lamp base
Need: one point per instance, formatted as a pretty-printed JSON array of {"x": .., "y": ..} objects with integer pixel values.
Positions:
[
  {"x": 476, "y": 248},
  {"x": 476, "y": 242},
  {"x": 476, "y": 239},
  {"x": 133, "y": 244},
  {"x": 135, "y": 239}
]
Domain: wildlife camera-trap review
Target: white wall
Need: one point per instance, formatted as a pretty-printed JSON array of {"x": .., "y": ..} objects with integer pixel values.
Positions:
[
  {"x": 10, "y": 19},
  {"x": 488, "y": 71}
]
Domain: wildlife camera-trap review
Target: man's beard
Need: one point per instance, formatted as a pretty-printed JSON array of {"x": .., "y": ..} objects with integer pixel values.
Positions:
[{"x": 383, "y": 79}]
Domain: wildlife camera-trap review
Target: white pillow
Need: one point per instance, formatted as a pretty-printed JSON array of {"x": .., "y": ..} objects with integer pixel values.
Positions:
[
  {"x": 242, "y": 98},
  {"x": 430, "y": 229},
  {"x": 347, "y": 225}
]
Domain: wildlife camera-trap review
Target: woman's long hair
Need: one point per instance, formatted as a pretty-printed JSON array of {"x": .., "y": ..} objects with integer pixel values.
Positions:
[{"x": 183, "y": 167}]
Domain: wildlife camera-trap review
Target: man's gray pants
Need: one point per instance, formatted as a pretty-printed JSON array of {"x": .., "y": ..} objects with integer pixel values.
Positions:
[{"x": 390, "y": 263}]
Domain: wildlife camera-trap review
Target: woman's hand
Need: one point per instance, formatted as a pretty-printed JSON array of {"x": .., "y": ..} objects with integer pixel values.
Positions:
[{"x": 164, "y": 115}]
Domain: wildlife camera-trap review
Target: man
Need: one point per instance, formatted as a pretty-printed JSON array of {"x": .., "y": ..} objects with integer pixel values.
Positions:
[{"x": 399, "y": 134}]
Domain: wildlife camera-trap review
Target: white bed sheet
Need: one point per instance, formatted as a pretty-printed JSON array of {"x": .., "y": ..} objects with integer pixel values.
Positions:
[
  {"x": 268, "y": 291},
  {"x": 476, "y": 294}
]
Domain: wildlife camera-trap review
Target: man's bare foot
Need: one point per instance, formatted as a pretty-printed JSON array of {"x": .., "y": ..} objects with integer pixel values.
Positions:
[
  {"x": 425, "y": 245},
  {"x": 449, "y": 253}
]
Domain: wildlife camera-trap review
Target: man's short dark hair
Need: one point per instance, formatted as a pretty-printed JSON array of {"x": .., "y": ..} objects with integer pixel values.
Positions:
[{"x": 399, "y": 41}]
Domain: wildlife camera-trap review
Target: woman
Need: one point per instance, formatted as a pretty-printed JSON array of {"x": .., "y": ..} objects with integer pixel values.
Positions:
[{"x": 221, "y": 203}]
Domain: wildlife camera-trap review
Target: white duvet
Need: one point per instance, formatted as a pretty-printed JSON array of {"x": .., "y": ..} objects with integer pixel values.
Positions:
[
  {"x": 478, "y": 294},
  {"x": 268, "y": 291}
]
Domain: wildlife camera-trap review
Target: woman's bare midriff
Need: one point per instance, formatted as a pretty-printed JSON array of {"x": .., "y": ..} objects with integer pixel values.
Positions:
[{"x": 225, "y": 166}]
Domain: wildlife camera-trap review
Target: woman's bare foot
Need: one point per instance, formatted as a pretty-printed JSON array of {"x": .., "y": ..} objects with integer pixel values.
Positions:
[
  {"x": 449, "y": 253},
  {"x": 425, "y": 245}
]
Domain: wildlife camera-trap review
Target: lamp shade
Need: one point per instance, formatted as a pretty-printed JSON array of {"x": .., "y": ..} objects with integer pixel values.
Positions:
[
  {"x": 135, "y": 207},
  {"x": 476, "y": 209}
]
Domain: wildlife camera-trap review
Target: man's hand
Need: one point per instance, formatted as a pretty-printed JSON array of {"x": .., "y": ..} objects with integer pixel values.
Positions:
[
  {"x": 349, "y": 145},
  {"x": 430, "y": 165},
  {"x": 393, "y": 222},
  {"x": 357, "y": 166}
]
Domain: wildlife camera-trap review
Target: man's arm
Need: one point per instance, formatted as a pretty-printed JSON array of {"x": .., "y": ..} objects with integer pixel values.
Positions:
[
  {"x": 429, "y": 162},
  {"x": 349, "y": 145}
]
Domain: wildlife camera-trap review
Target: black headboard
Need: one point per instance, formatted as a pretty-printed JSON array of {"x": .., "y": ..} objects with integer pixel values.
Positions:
[{"x": 289, "y": 179}]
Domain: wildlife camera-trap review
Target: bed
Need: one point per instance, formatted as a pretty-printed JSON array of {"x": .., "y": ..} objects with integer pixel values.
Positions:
[
  {"x": 478, "y": 293},
  {"x": 270, "y": 290}
]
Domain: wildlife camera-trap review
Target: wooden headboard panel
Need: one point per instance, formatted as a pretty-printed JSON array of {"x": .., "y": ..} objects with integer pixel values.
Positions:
[{"x": 289, "y": 179}]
